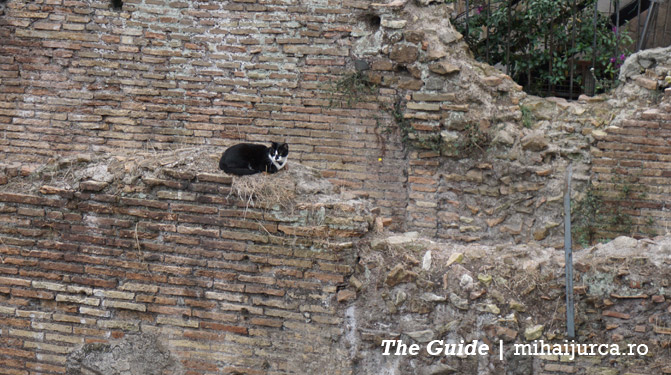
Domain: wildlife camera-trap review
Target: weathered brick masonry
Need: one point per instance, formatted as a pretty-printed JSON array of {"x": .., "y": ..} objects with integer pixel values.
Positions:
[
  {"x": 77, "y": 76},
  {"x": 632, "y": 169},
  {"x": 226, "y": 288},
  {"x": 172, "y": 259},
  {"x": 80, "y": 77}
]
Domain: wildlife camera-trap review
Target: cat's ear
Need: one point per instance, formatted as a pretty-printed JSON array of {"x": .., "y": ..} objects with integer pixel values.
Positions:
[
  {"x": 274, "y": 145},
  {"x": 284, "y": 149}
]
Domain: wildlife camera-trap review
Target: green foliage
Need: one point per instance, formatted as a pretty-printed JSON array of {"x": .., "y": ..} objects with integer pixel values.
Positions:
[
  {"x": 648, "y": 229},
  {"x": 431, "y": 142},
  {"x": 351, "y": 88},
  {"x": 591, "y": 216},
  {"x": 588, "y": 218},
  {"x": 471, "y": 140},
  {"x": 528, "y": 117},
  {"x": 538, "y": 35},
  {"x": 403, "y": 125}
]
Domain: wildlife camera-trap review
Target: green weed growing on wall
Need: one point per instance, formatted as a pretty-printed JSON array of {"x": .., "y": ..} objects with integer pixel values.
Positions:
[
  {"x": 588, "y": 217},
  {"x": 528, "y": 117},
  {"x": 594, "y": 218},
  {"x": 351, "y": 89}
]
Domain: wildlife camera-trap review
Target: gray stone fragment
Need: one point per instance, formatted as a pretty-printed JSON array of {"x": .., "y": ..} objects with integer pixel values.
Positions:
[
  {"x": 141, "y": 354},
  {"x": 437, "y": 369},
  {"x": 534, "y": 332},
  {"x": 535, "y": 141},
  {"x": 361, "y": 65},
  {"x": 430, "y": 297},
  {"x": 458, "y": 302},
  {"x": 421, "y": 336}
]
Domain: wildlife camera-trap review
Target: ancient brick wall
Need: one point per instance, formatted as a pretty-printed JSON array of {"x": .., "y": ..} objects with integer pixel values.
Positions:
[
  {"x": 78, "y": 76},
  {"x": 216, "y": 283},
  {"x": 167, "y": 269},
  {"x": 382, "y": 100},
  {"x": 632, "y": 173},
  {"x": 378, "y": 102},
  {"x": 81, "y": 77}
]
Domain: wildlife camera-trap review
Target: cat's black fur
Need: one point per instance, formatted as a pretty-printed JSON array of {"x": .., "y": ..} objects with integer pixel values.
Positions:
[{"x": 249, "y": 158}]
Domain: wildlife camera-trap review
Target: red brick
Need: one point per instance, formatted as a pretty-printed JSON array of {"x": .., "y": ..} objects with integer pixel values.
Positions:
[
  {"x": 205, "y": 335},
  {"x": 223, "y": 327},
  {"x": 615, "y": 314},
  {"x": 32, "y": 293},
  {"x": 12, "y": 322},
  {"x": 168, "y": 310},
  {"x": 332, "y": 278},
  {"x": 99, "y": 283},
  {"x": 254, "y": 289},
  {"x": 15, "y": 281},
  {"x": 219, "y": 275},
  {"x": 17, "y": 352},
  {"x": 219, "y": 317},
  {"x": 30, "y": 199}
]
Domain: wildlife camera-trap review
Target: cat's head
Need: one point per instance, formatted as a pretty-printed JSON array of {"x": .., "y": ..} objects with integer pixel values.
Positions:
[{"x": 278, "y": 152}]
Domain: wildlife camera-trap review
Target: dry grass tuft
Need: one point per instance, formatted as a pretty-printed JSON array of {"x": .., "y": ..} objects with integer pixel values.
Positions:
[
  {"x": 263, "y": 189},
  {"x": 299, "y": 183},
  {"x": 116, "y": 169},
  {"x": 283, "y": 190}
]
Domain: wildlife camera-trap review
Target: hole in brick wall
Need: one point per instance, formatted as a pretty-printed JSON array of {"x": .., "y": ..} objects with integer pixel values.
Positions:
[
  {"x": 401, "y": 69},
  {"x": 117, "y": 4},
  {"x": 373, "y": 21}
]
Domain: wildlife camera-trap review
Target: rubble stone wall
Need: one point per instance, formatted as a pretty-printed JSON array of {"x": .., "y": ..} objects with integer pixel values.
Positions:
[{"x": 507, "y": 296}]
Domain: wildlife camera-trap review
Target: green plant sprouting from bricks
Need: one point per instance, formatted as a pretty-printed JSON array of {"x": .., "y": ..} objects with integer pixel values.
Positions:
[
  {"x": 596, "y": 218},
  {"x": 351, "y": 89},
  {"x": 587, "y": 217},
  {"x": 468, "y": 141},
  {"x": 473, "y": 139},
  {"x": 409, "y": 135},
  {"x": 528, "y": 117}
]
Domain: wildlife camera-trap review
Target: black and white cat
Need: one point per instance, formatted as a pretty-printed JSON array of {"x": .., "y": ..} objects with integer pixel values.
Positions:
[{"x": 249, "y": 158}]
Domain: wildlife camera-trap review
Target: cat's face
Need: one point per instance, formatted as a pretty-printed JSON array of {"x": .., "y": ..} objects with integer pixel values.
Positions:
[{"x": 278, "y": 153}]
